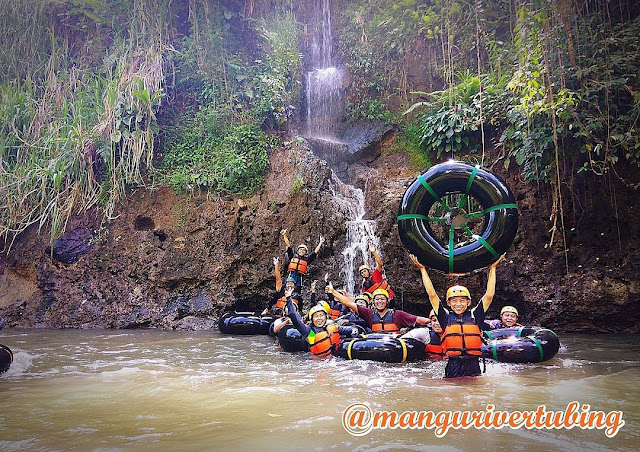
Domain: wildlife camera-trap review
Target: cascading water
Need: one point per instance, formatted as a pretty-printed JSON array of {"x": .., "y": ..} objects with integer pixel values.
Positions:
[
  {"x": 360, "y": 232},
  {"x": 324, "y": 81},
  {"x": 324, "y": 112}
]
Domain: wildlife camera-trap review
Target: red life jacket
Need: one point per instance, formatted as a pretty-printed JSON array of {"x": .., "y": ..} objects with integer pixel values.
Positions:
[
  {"x": 325, "y": 340},
  {"x": 462, "y": 338},
  {"x": 334, "y": 314},
  {"x": 384, "y": 324},
  {"x": 298, "y": 264}
]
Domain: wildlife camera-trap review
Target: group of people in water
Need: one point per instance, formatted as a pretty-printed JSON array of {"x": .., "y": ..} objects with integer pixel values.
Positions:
[{"x": 453, "y": 331}]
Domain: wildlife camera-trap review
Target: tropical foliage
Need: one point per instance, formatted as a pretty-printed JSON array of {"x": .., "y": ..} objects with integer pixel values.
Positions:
[{"x": 96, "y": 97}]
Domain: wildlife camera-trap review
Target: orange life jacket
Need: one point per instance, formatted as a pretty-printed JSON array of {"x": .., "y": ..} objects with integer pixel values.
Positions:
[
  {"x": 461, "y": 338},
  {"x": 298, "y": 265},
  {"x": 378, "y": 285},
  {"x": 282, "y": 302},
  {"x": 434, "y": 350},
  {"x": 384, "y": 324},
  {"x": 325, "y": 340},
  {"x": 434, "y": 347}
]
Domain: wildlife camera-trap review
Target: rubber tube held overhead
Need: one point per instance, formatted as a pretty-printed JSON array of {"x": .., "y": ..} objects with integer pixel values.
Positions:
[{"x": 498, "y": 211}]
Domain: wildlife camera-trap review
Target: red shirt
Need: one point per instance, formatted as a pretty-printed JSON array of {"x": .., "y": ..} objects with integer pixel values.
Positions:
[
  {"x": 376, "y": 277},
  {"x": 400, "y": 318}
]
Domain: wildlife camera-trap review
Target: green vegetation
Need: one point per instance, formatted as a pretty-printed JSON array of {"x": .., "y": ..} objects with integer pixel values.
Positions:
[
  {"x": 96, "y": 97},
  {"x": 100, "y": 96},
  {"x": 73, "y": 134},
  {"x": 219, "y": 144},
  {"x": 553, "y": 84}
]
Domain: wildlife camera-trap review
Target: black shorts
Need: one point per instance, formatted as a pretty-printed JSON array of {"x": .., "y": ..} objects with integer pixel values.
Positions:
[{"x": 462, "y": 367}]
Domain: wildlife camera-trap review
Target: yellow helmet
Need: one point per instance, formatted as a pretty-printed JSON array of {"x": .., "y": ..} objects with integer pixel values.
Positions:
[
  {"x": 362, "y": 298},
  {"x": 380, "y": 292},
  {"x": 509, "y": 309},
  {"x": 458, "y": 291},
  {"x": 363, "y": 267},
  {"x": 367, "y": 295}
]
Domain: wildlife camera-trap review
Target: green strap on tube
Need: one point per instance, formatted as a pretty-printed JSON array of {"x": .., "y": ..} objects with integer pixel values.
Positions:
[
  {"x": 491, "y": 209},
  {"x": 481, "y": 240},
  {"x": 433, "y": 193},
  {"x": 494, "y": 350},
  {"x": 539, "y": 345},
  {"x": 417, "y": 216},
  {"x": 451, "y": 234},
  {"x": 463, "y": 200}
]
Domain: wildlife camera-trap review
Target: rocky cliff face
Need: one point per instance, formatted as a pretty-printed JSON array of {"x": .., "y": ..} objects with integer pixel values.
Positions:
[{"x": 177, "y": 262}]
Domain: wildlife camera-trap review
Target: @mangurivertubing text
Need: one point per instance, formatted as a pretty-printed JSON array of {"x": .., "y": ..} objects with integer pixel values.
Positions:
[{"x": 359, "y": 419}]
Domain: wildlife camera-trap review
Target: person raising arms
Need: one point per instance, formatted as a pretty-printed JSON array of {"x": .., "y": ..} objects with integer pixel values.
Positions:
[
  {"x": 323, "y": 336},
  {"x": 462, "y": 336},
  {"x": 299, "y": 261},
  {"x": 372, "y": 281}
]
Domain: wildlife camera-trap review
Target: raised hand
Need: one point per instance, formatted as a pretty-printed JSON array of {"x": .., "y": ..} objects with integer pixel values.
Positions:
[
  {"x": 416, "y": 261},
  {"x": 495, "y": 264}
]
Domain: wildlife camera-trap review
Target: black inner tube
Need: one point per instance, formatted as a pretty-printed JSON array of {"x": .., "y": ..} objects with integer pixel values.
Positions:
[{"x": 463, "y": 247}]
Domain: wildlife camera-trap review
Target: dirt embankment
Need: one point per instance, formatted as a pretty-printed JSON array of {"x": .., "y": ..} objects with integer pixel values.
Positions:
[{"x": 172, "y": 261}]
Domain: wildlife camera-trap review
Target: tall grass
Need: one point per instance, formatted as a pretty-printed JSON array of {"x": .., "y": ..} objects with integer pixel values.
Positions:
[{"x": 71, "y": 134}]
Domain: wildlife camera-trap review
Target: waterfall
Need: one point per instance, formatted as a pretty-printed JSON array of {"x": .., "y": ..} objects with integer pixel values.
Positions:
[
  {"x": 325, "y": 109},
  {"x": 324, "y": 82},
  {"x": 360, "y": 232}
]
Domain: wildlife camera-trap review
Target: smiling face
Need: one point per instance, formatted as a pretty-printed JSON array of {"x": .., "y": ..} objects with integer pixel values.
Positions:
[
  {"x": 459, "y": 304},
  {"x": 319, "y": 318},
  {"x": 509, "y": 319},
  {"x": 380, "y": 302},
  {"x": 289, "y": 285},
  {"x": 365, "y": 273},
  {"x": 302, "y": 250}
]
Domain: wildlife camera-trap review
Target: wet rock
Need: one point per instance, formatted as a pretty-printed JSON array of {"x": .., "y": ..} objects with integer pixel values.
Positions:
[
  {"x": 364, "y": 139},
  {"x": 330, "y": 150},
  {"x": 72, "y": 245},
  {"x": 176, "y": 263},
  {"x": 192, "y": 323}
]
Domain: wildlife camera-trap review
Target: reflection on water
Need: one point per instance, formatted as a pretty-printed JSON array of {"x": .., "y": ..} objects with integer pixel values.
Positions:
[{"x": 145, "y": 389}]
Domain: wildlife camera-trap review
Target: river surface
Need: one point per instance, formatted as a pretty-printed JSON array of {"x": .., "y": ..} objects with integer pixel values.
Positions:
[{"x": 159, "y": 390}]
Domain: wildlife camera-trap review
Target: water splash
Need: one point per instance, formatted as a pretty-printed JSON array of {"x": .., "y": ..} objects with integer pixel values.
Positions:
[{"x": 360, "y": 232}]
